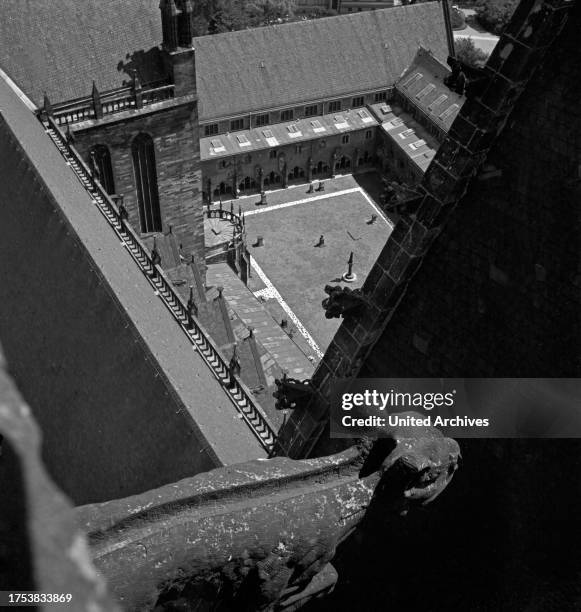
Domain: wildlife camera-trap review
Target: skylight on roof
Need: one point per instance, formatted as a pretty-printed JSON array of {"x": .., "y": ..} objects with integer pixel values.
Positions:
[
  {"x": 437, "y": 102},
  {"x": 317, "y": 127},
  {"x": 364, "y": 115},
  {"x": 340, "y": 122},
  {"x": 217, "y": 145},
  {"x": 270, "y": 139},
  {"x": 425, "y": 91},
  {"x": 385, "y": 108},
  {"x": 449, "y": 111},
  {"x": 293, "y": 131},
  {"x": 417, "y": 144},
  {"x": 416, "y": 77},
  {"x": 406, "y": 133},
  {"x": 394, "y": 123},
  {"x": 242, "y": 140}
]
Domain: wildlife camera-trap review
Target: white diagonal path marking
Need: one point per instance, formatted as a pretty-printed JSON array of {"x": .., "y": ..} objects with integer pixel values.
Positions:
[
  {"x": 272, "y": 291},
  {"x": 323, "y": 196}
]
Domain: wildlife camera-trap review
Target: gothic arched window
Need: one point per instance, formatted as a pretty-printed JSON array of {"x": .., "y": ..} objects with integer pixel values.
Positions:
[
  {"x": 146, "y": 181},
  {"x": 101, "y": 162}
]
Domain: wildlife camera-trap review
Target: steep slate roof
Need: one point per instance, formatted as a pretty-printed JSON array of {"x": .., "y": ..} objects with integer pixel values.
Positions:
[
  {"x": 62, "y": 46},
  {"x": 311, "y": 60},
  {"x": 256, "y": 139},
  {"x": 423, "y": 85}
]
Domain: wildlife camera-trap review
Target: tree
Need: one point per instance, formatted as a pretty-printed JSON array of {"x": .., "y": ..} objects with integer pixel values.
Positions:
[
  {"x": 495, "y": 14},
  {"x": 263, "y": 12},
  {"x": 458, "y": 19},
  {"x": 467, "y": 52}
]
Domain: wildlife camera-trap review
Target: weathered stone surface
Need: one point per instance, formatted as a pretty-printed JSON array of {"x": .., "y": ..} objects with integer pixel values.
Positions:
[
  {"x": 40, "y": 547},
  {"x": 257, "y": 534}
]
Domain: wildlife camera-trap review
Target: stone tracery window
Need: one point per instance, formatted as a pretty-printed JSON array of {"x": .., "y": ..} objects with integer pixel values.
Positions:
[
  {"x": 145, "y": 172},
  {"x": 101, "y": 157}
]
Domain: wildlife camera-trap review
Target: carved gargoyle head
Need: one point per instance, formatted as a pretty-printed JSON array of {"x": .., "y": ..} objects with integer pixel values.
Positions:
[{"x": 415, "y": 464}]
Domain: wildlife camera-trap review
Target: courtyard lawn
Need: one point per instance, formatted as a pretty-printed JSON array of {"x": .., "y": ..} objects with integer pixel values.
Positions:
[{"x": 298, "y": 269}]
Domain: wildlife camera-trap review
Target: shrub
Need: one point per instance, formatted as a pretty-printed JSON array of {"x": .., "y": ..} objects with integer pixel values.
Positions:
[
  {"x": 467, "y": 52},
  {"x": 495, "y": 14}
]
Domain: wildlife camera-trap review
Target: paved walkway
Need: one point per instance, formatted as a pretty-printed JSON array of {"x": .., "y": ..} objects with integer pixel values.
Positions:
[
  {"x": 267, "y": 331},
  {"x": 482, "y": 39}
]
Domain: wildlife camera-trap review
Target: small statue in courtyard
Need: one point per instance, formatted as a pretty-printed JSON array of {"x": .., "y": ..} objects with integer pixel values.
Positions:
[{"x": 321, "y": 242}]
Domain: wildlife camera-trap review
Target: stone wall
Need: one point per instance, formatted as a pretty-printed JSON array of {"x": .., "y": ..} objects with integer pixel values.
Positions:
[
  {"x": 296, "y": 155},
  {"x": 499, "y": 292},
  {"x": 113, "y": 423},
  {"x": 174, "y": 130},
  {"x": 483, "y": 282}
]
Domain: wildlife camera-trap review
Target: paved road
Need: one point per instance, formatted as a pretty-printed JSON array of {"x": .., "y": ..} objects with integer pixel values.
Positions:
[{"x": 482, "y": 39}]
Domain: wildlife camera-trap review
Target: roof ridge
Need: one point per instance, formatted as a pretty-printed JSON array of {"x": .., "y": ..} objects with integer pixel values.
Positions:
[{"x": 313, "y": 22}]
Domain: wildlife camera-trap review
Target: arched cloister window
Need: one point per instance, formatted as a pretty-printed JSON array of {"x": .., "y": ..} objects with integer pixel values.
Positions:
[
  {"x": 101, "y": 162},
  {"x": 146, "y": 180}
]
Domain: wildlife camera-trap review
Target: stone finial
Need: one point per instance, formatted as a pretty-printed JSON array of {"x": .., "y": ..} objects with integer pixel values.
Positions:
[
  {"x": 155, "y": 256},
  {"x": 97, "y": 105},
  {"x": 70, "y": 135},
  {"x": 47, "y": 106},
  {"x": 136, "y": 90},
  {"x": 191, "y": 306},
  {"x": 123, "y": 214}
]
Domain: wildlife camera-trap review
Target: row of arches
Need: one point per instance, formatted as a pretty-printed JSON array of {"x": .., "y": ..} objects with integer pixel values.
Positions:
[
  {"x": 321, "y": 168},
  {"x": 145, "y": 174}
]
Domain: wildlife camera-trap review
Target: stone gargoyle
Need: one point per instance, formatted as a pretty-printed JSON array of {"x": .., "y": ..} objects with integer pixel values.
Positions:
[
  {"x": 259, "y": 535},
  {"x": 343, "y": 301}
]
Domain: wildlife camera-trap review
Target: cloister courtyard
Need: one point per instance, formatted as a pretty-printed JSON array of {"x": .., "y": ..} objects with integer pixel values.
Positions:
[{"x": 290, "y": 270}]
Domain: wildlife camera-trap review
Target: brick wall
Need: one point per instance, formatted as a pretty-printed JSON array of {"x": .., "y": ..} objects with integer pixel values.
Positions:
[{"x": 174, "y": 130}]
